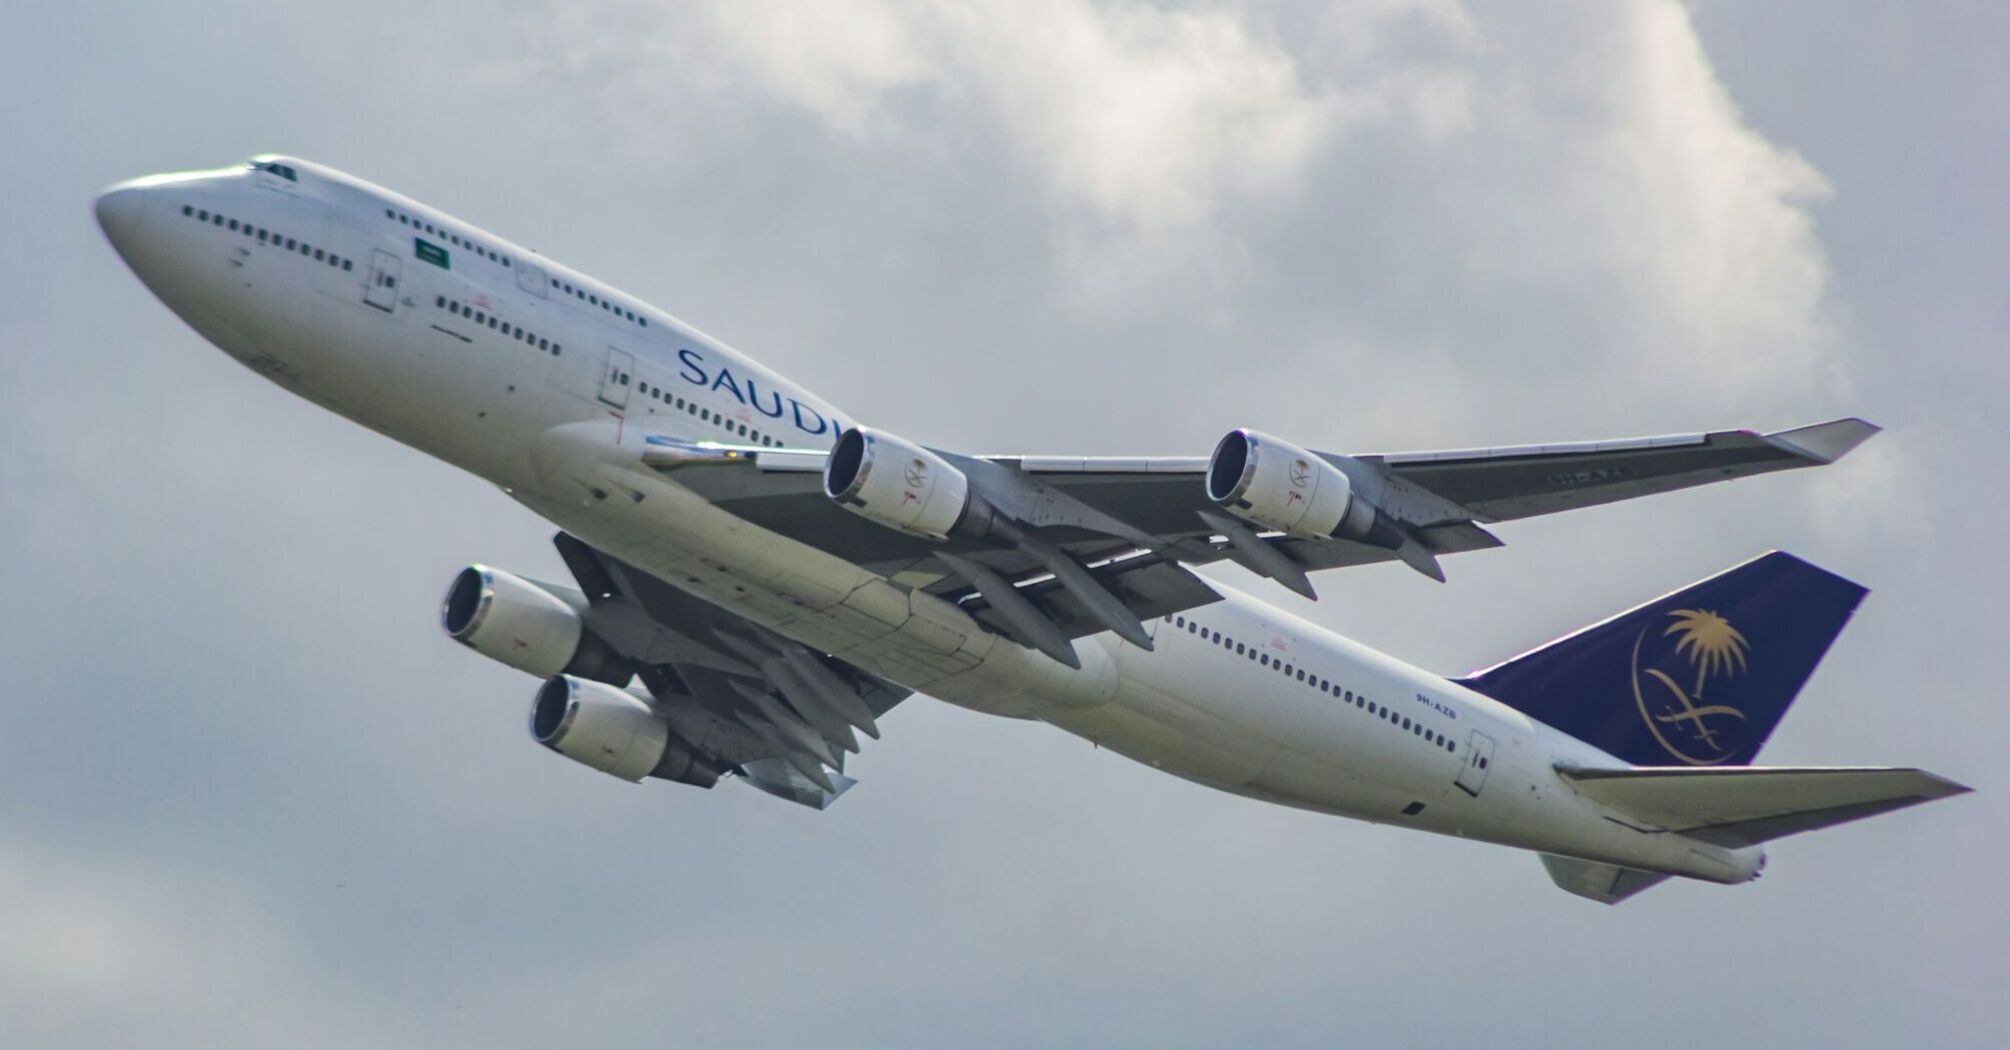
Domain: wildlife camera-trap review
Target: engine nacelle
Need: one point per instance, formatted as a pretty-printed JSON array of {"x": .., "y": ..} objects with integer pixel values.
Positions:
[
  {"x": 896, "y": 483},
  {"x": 614, "y": 731},
  {"x": 1280, "y": 486},
  {"x": 512, "y": 620}
]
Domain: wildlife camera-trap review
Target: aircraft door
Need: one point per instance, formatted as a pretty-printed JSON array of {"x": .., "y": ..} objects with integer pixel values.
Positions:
[
  {"x": 619, "y": 376},
  {"x": 1479, "y": 759},
  {"x": 530, "y": 277},
  {"x": 382, "y": 292}
]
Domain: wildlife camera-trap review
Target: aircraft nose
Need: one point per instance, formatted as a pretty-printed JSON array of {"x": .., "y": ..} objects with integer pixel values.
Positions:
[{"x": 120, "y": 209}]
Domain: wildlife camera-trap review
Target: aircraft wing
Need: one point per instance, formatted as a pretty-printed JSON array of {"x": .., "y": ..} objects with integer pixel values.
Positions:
[
  {"x": 783, "y": 715},
  {"x": 1136, "y": 525},
  {"x": 1502, "y": 484}
]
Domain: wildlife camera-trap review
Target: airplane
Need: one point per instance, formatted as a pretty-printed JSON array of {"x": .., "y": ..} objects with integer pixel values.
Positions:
[{"x": 758, "y": 578}]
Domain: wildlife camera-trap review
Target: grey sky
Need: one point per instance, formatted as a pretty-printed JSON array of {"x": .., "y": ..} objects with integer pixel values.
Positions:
[{"x": 256, "y": 798}]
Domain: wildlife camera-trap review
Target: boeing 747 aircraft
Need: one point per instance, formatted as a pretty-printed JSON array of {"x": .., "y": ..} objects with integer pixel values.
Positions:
[{"x": 758, "y": 578}]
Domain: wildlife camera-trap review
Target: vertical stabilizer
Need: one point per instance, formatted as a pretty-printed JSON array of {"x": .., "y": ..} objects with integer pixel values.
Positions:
[{"x": 1697, "y": 678}]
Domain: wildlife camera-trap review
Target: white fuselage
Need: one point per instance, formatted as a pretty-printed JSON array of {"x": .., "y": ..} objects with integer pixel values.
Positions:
[{"x": 314, "y": 281}]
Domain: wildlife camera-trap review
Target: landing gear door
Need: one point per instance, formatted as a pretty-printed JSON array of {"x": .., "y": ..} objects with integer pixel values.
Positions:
[
  {"x": 618, "y": 377},
  {"x": 1479, "y": 759},
  {"x": 383, "y": 290}
]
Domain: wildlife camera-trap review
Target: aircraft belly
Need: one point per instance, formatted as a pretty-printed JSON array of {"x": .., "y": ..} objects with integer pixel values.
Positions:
[{"x": 908, "y": 637}]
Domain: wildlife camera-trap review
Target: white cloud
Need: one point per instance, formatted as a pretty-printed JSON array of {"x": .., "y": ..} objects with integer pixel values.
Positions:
[{"x": 1590, "y": 153}]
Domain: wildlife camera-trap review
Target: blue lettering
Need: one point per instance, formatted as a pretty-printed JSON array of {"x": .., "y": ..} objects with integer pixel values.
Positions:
[
  {"x": 754, "y": 395},
  {"x": 693, "y": 362},
  {"x": 725, "y": 379},
  {"x": 805, "y": 427}
]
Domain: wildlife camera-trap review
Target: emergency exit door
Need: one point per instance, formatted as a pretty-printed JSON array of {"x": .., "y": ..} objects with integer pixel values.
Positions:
[
  {"x": 620, "y": 375},
  {"x": 1479, "y": 759},
  {"x": 382, "y": 292}
]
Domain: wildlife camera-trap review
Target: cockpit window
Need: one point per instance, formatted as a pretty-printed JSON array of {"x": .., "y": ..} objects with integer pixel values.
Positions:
[{"x": 284, "y": 171}]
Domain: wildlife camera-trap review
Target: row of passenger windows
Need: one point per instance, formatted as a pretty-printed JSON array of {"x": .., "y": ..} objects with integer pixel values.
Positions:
[
  {"x": 669, "y": 400},
  {"x": 265, "y": 236},
  {"x": 492, "y": 255},
  {"x": 1348, "y": 696},
  {"x": 482, "y": 317},
  {"x": 592, "y": 299},
  {"x": 450, "y": 237}
]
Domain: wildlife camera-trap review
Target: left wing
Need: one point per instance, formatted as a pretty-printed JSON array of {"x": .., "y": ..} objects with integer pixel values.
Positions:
[
  {"x": 1090, "y": 544},
  {"x": 781, "y": 715}
]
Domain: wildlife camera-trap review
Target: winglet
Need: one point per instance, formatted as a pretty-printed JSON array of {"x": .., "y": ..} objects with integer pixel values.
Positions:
[{"x": 1826, "y": 442}]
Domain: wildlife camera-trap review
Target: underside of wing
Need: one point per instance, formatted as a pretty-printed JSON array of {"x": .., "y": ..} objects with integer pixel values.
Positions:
[
  {"x": 781, "y": 716},
  {"x": 1502, "y": 484},
  {"x": 1042, "y": 549}
]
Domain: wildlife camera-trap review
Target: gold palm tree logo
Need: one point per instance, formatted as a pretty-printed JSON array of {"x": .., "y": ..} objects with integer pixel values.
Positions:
[
  {"x": 1710, "y": 642},
  {"x": 1714, "y": 648}
]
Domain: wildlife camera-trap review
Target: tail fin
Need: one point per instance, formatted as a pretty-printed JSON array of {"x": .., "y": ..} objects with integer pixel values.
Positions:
[{"x": 1699, "y": 677}]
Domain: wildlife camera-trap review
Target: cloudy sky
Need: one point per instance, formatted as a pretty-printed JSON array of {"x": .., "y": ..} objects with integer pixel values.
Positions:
[{"x": 255, "y": 798}]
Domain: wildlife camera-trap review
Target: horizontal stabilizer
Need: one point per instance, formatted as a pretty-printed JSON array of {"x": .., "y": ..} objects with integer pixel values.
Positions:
[
  {"x": 1604, "y": 883},
  {"x": 1746, "y": 806}
]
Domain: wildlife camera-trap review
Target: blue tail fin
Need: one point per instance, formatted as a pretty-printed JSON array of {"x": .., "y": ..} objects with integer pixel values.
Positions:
[{"x": 1699, "y": 677}]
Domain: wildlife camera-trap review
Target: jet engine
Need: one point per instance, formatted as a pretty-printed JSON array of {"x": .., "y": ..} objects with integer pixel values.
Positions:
[
  {"x": 1280, "y": 486},
  {"x": 527, "y": 626},
  {"x": 897, "y": 483},
  {"x": 615, "y": 731}
]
